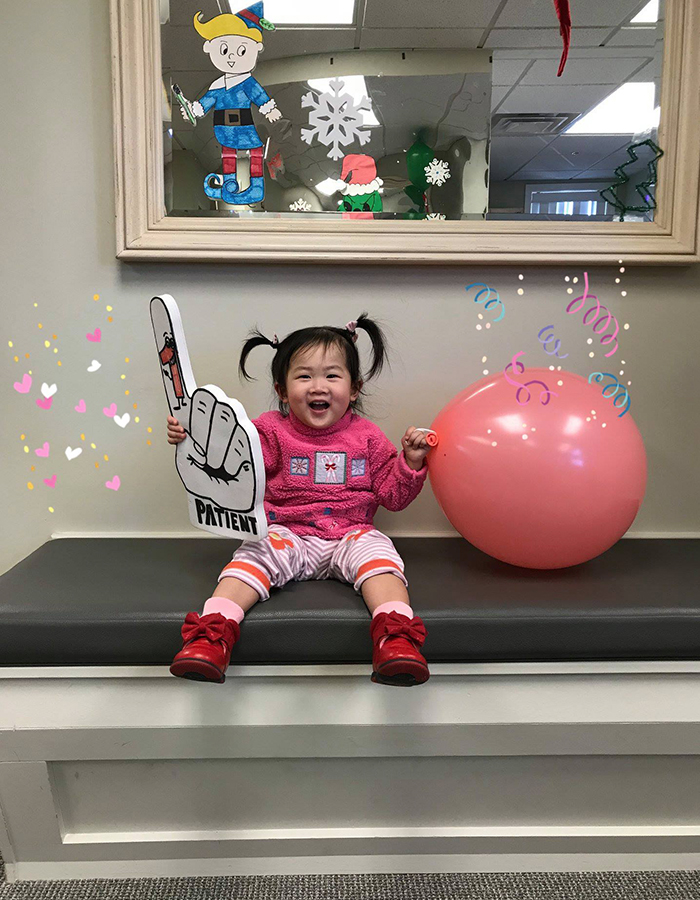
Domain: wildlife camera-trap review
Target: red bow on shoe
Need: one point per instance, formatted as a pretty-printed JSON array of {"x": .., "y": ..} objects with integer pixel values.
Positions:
[
  {"x": 393, "y": 624},
  {"x": 214, "y": 627}
]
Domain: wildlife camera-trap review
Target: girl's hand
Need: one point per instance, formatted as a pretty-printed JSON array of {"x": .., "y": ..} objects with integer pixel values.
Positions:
[
  {"x": 415, "y": 447},
  {"x": 176, "y": 432}
]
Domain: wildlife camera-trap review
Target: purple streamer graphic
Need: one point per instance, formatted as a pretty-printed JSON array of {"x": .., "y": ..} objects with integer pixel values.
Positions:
[
  {"x": 599, "y": 324},
  {"x": 546, "y": 393},
  {"x": 547, "y": 339},
  {"x": 616, "y": 386}
]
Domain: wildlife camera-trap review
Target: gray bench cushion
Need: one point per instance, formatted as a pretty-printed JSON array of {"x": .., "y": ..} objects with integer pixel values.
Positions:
[{"x": 100, "y": 601}]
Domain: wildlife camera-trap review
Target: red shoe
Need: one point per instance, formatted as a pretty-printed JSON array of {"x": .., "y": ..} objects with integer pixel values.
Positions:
[
  {"x": 206, "y": 650},
  {"x": 399, "y": 660}
]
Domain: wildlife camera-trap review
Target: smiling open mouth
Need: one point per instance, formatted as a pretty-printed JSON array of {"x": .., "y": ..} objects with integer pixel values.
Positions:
[{"x": 319, "y": 405}]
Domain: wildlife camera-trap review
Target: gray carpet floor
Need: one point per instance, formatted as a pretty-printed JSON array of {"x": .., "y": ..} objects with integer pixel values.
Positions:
[{"x": 500, "y": 886}]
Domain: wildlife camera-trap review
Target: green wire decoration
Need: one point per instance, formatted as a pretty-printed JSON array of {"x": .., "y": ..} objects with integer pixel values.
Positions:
[{"x": 610, "y": 195}]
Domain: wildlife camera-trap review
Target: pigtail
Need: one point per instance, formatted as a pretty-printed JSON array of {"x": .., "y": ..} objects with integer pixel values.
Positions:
[
  {"x": 255, "y": 339},
  {"x": 379, "y": 349}
]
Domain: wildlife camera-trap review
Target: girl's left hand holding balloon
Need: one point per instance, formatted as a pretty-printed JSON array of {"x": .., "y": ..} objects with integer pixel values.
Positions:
[{"x": 415, "y": 447}]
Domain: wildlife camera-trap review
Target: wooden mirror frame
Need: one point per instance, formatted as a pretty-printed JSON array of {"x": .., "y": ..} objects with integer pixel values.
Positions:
[{"x": 144, "y": 232}]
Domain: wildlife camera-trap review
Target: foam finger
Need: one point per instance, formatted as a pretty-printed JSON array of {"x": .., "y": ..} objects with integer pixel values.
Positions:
[
  {"x": 201, "y": 412},
  {"x": 223, "y": 423}
]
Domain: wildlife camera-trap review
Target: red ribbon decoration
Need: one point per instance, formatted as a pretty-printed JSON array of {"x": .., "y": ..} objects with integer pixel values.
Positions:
[
  {"x": 210, "y": 627},
  {"x": 393, "y": 624},
  {"x": 564, "y": 16}
]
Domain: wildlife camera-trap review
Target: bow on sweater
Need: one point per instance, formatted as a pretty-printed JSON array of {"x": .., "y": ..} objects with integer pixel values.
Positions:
[
  {"x": 393, "y": 624},
  {"x": 213, "y": 627}
]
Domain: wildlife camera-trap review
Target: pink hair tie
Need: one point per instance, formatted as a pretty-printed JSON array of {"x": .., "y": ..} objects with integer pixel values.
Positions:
[
  {"x": 275, "y": 340},
  {"x": 351, "y": 327}
]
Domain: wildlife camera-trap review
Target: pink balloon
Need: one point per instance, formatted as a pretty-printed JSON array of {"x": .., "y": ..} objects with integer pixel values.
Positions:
[{"x": 542, "y": 486}]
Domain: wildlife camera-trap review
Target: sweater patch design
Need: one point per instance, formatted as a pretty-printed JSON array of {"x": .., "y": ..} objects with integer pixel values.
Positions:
[
  {"x": 299, "y": 465},
  {"x": 329, "y": 468}
]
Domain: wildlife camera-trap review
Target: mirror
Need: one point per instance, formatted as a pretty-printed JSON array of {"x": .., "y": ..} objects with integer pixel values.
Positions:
[{"x": 398, "y": 110}]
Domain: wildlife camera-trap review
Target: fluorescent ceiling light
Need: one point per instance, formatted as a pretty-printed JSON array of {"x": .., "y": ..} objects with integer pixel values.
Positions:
[
  {"x": 650, "y": 13},
  {"x": 628, "y": 110},
  {"x": 355, "y": 86},
  {"x": 306, "y": 12},
  {"x": 329, "y": 186}
]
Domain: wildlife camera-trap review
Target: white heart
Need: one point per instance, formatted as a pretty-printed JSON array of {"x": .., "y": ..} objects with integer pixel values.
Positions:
[
  {"x": 94, "y": 366},
  {"x": 123, "y": 421},
  {"x": 71, "y": 453},
  {"x": 48, "y": 391}
]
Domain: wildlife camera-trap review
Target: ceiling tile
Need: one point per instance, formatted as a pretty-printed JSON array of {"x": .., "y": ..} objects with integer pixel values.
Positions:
[
  {"x": 508, "y": 71},
  {"x": 592, "y": 13},
  {"x": 571, "y": 99},
  {"x": 421, "y": 38},
  {"x": 542, "y": 37},
  {"x": 509, "y": 154},
  {"x": 606, "y": 69},
  {"x": 635, "y": 37},
  {"x": 436, "y": 14}
]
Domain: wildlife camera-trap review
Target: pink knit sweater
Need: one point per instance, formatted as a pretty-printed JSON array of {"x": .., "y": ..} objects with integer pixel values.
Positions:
[{"x": 327, "y": 481}]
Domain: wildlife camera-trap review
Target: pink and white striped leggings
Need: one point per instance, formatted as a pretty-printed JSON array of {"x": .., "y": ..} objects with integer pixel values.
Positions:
[{"x": 284, "y": 556}]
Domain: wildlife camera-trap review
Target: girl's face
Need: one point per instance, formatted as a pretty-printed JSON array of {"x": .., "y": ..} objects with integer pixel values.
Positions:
[{"x": 318, "y": 388}]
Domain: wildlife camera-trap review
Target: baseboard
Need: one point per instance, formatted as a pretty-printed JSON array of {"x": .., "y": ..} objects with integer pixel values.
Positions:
[{"x": 58, "y": 535}]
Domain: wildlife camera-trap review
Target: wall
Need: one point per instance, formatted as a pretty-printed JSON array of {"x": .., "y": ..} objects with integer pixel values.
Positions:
[{"x": 58, "y": 243}]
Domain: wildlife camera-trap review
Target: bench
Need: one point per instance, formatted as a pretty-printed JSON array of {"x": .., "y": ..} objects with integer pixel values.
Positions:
[{"x": 560, "y": 729}]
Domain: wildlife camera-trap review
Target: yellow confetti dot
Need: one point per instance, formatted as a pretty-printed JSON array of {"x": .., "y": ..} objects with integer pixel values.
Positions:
[
  {"x": 60, "y": 363},
  {"x": 588, "y": 418},
  {"x": 16, "y": 358},
  {"x": 10, "y": 344},
  {"x": 106, "y": 458},
  {"x": 135, "y": 404},
  {"x": 149, "y": 429},
  {"x": 21, "y": 437},
  {"x": 94, "y": 446},
  {"x": 627, "y": 325},
  {"x": 521, "y": 291},
  {"x": 109, "y": 318},
  {"x": 26, "y": 449},
  {"x": 122, "y": 377},
  {"x": 97, "y": 465},
  {"x": 95, "y": 296},
  {"x": 40, "y": 325},
  {"x": 51, "y": 509},
  {"x": 137, "y": 419},
  {"x": 26, "y": 356},
  {"x": 591, "y": 355},
  {"x": 55, "y": 349},
  {"x": 480, "y": 316},
  {"x": 30, "y": 486},
  {"x": 36, "y": 304},
  {"x": 82, "y": 437},
  {"x": 30, "y": 372},
  {"x": 108, "y": 308},
  {"x": 126, "y": 393},
  {"x": 484, "y": 358},
  {"x": 126, "y": 359},
  {"x": 33, "y": 468}
]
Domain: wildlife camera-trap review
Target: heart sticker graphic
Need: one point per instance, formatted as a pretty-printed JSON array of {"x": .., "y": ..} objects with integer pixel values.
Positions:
[
  {"x": 114, "y": 484},
  {"x": 44, "y": 404},
  {"x": 23, "y": 386},
  {"x": 110, "y": 410},
  {"x": 95, "y": 337},
  {"x": 48, "y": 390},
  {"x": 94, "y": 366},
  {"x": 50, "y": 482},
  {"x": 80, "y": 407},
  {"x": 43, "y": 451},
  {"x": 123, "y": 421},
  {"x": 71, "y": 453}
]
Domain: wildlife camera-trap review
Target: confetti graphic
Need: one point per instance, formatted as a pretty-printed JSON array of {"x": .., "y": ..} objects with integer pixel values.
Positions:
[
  {"x": 546, "y": 340},
  {"x": 599, "y": 324},
  {"x": 545, "y": 394},
  {"x": 488, "y": 300},
  {"x": 23, "y": 386},
  {"x": 616, "y": 386}
]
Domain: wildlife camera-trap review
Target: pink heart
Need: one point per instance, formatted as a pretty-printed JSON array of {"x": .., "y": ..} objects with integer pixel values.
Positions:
[
  {"x": 114, "y": 484},
  {"x": 110, "y": 410},
  {"x": 23, "y": 386},
  {"x": 44, "y": 402},
  {"x": 43, "y": 451},
  {"x": 81, "y": 406},
  {"x": 50, "y": 482},
  {"x": 95, "y": 337}
]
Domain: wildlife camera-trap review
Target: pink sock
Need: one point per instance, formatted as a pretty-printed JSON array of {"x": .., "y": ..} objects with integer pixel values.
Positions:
[
  {"x": 393, "y": 606},
  {"x": 228, "y": 608}
]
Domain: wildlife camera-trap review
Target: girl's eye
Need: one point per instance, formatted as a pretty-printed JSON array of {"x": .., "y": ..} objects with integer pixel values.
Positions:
[
  {"x": 224, "y": 49},
  {"x": 241, "y": 50}
]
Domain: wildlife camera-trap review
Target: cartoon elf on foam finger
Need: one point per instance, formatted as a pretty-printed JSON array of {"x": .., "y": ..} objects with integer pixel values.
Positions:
[{"x": 233, "y": 42}]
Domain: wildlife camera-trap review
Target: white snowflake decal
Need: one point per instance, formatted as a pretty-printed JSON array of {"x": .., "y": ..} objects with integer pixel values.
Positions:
[
  {"x": 437, "y": 172},
  {"x": 435, "y": 216},
  {"x": 300, "y": 205},
  {"x": 335, "y": 119}
]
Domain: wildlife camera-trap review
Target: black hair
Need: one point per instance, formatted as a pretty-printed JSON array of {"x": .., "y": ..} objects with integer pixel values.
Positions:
[{"x": 320, "y": 336}]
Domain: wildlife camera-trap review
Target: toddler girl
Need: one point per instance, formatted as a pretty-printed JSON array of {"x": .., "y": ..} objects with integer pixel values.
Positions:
[{"x": 327, "y": 470}]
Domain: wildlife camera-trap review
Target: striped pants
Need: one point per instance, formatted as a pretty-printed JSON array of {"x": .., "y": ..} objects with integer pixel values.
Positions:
[{"x": 284, "y": 556}]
